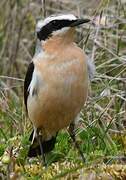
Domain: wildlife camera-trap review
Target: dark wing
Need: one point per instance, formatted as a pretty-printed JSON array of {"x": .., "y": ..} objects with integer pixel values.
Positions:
[
  {"x": 48, "y": 145},
  {"x": 27, "y": 82}
]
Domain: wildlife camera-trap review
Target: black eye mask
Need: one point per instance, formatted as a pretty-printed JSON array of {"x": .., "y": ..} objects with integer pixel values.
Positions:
[{"x": 54, "y": 25}]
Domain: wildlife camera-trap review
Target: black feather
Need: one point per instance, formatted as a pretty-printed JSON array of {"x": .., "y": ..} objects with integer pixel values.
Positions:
[
  {"x": 35, "y": 147},
  {"x": 27, "y": 82},
  {"x": 52, "y": 26}
]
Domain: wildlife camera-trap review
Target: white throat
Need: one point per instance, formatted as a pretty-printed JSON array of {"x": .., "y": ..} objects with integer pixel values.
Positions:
[{"x": 61, "y": 31}]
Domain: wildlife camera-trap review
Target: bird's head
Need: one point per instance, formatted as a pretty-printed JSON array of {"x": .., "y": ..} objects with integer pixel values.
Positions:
[{"x": 57, "y": 25}]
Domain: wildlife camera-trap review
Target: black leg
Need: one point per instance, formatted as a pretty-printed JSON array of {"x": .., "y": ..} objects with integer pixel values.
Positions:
[
  {"x": 72, "y": 135},
  {"x": 39, "y": 139}
]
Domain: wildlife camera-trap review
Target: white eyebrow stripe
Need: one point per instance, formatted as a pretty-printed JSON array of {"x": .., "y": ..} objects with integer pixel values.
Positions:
[
  {"x": 61, "y": 17},
  {"x": 42, "y": 23}
]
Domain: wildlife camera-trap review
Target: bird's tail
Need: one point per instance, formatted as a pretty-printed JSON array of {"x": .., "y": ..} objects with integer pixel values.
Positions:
[{"x": 47, "y": 146}]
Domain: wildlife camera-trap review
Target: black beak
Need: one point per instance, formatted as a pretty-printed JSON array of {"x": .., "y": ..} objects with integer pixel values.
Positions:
[{"x": 79, "y": 22}]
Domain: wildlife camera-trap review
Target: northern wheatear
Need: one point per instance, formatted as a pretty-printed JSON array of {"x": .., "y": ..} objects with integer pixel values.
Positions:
[{"x": 56, "y": 83}]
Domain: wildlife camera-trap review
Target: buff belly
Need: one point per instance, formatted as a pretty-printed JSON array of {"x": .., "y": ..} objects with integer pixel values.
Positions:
[
  {"x": 59, "y": 96},
  {"x": 52, "y": 112}
]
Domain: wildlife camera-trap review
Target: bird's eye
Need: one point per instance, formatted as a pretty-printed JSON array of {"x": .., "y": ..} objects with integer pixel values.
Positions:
[{"x": 54, "y": 22}]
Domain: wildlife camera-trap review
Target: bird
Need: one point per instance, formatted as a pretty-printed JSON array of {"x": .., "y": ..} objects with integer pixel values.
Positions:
[{"x": 56, "y": 82}]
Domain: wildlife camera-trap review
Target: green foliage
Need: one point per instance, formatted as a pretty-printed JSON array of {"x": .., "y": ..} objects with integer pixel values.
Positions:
[
  {"x": 2, "y": 149},
  {"x": 23, "y": 151}
]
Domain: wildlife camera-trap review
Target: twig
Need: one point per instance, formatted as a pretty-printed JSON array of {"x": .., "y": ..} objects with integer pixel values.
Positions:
[
  {"x": 43, "y": 8},
  {"x": 12, "y": 78}
]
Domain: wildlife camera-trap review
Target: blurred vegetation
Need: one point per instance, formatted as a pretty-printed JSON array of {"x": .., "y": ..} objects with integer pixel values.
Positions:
[{"x": 101, "y": 131}]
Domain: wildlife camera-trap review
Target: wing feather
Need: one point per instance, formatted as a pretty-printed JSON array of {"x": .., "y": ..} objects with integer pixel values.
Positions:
[{"x": 27, "y": 82}]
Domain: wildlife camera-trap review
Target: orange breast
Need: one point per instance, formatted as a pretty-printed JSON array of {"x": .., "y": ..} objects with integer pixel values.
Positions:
[{"x": 61, "y": 90}]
